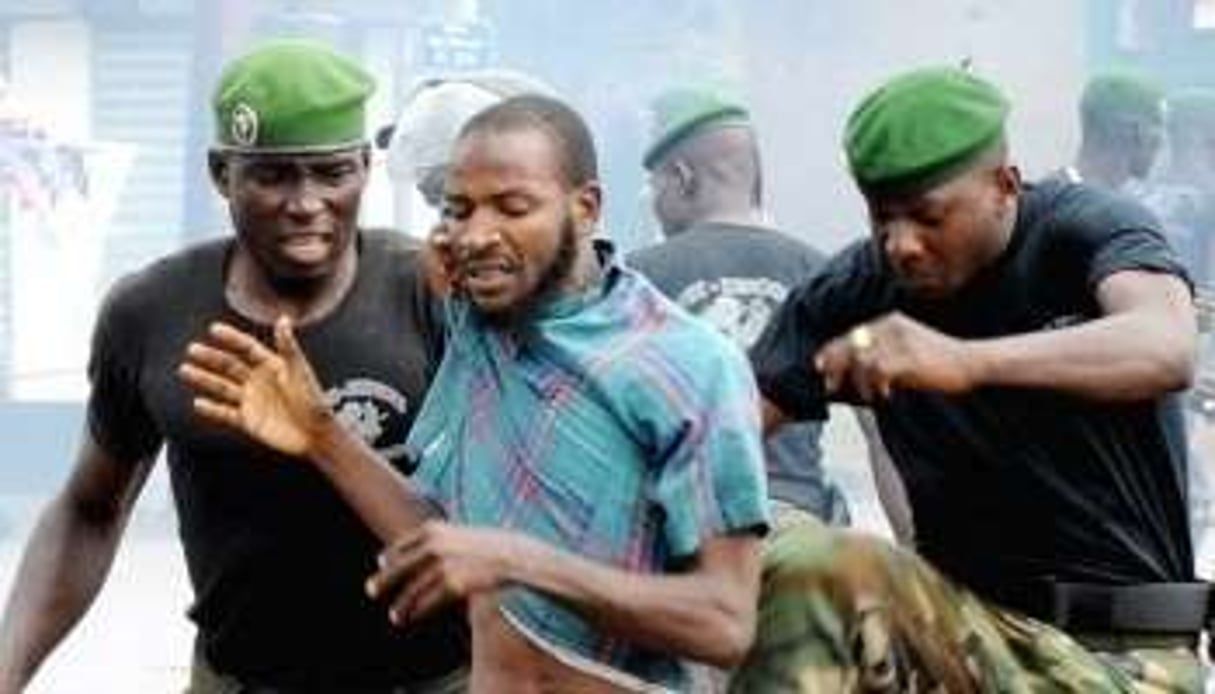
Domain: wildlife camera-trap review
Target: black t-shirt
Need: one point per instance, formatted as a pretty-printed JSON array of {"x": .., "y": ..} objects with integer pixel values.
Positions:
[
  {"x": 1013, "y": 485},
  {"x": 276, "y": 558},
  {"x": 736, "y": 277}
]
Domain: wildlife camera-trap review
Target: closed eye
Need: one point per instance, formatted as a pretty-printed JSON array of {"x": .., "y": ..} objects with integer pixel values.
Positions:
[
  {"x": 515, "y": 205},
  {"x": 336, "y": 173}
]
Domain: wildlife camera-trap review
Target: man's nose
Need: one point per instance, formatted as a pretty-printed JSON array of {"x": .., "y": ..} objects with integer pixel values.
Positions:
[
  {"x": 902, "y": 241},
  {"x": 478, "y": 232},
  {"x": 305, "y": 199}
]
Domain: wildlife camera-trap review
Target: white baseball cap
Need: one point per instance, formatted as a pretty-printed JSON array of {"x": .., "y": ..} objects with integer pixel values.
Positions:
[{"x": 435, "y": 110}]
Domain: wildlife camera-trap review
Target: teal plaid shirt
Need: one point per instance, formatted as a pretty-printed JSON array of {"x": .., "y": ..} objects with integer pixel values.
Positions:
[{"x": 614, "y": 426}]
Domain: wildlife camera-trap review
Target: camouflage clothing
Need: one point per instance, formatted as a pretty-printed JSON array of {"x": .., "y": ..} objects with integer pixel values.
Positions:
[{"x": 841, "y": 612}]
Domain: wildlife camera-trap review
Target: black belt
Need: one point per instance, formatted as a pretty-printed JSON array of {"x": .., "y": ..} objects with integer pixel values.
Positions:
[{"x": 1155, "y": 608}]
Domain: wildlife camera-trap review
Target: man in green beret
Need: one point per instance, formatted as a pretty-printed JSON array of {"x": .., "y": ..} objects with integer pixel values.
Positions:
[
  {"x": 722, "y": 259},
  {"x": 1121, "y": 130},
  {"x": 276, "y": 559},
  {"x": 1020, "y": 346}
]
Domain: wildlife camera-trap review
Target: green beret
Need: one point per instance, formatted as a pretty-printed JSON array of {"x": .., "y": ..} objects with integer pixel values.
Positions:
[
  {"x": 291, "y": 95},
  {"x": 922, "y": 128},
  {"x": 1121, "y": 94},
  {"x": 679, "y": 112}
]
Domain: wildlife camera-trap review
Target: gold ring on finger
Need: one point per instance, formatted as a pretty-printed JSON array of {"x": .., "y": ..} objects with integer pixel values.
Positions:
[{"x": 860, "y": 338}]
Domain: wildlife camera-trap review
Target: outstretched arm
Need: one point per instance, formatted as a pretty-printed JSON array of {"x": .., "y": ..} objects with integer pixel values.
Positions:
[
  {"x": 706, "y": 613},
  {"x": 272, "y": 395}
]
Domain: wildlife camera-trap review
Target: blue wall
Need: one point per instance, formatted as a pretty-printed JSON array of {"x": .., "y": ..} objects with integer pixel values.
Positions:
[{"x": 39, "y": 445}]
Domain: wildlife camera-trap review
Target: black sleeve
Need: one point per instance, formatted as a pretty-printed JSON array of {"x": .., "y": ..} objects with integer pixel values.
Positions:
[
  {"x": 118, "y": 418},
  {"x": 1115, "y": 233},
  {"x": 406, "y": 259},
  {"x": 432, "y": 321},
  {"x": 847, "y": 291}
]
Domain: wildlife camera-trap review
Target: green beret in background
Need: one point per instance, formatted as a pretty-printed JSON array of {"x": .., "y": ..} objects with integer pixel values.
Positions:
[
  {"x": 922, "y": 128},
  {"x": 678, "y": 112},
  {"x": 291, "y": 95},
  {"x": 1127, "y": 94}
]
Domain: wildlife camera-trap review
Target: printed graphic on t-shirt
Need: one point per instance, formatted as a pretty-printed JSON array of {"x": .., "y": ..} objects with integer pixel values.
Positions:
[
  {"x": 740, "y": 307},
  {"x": 375, "y": 411}
]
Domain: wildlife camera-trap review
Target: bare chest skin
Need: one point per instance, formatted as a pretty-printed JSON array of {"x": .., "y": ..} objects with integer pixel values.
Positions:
[{"x": 505, "y": 662}]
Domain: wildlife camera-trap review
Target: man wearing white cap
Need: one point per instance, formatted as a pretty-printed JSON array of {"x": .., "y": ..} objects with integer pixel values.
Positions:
[{"x": 419, "y": 142}]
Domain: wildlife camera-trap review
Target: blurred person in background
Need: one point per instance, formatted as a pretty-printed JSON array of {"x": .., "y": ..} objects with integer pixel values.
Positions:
[
  {"x": 1121, "y": 131},
  {"x": 418, "y": 143},
  {"x": 1127, "y": 123},
  {"x": 1182, "y": 191},
  {"x": 1182, "y": 194}
]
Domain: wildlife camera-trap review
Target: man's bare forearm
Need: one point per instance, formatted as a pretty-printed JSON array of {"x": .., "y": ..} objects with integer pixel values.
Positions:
[
  {"x": 1125, "y": 357},
  {"x": 707, "y": 614},
  {"x": 382, "y": 496},
  {"x": 1142, "y": 347},
  {"x": 64, "y": 566}
]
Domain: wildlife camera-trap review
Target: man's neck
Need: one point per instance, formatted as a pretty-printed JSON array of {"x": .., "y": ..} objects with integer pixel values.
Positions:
[
  {"x": 586, "y": 271},
  {"x": 736, "y": 218},
  {"x": 252, "y": 292},
  {"x": 743, "y": 217},
  {"x": 1096, "y": 168}
]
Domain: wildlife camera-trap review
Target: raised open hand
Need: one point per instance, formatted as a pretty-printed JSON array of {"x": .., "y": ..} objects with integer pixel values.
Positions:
[{"x": 271, "y": 395}]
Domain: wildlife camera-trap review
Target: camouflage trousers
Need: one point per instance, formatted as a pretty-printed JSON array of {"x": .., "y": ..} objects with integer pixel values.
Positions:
[{"x": 842, "y": 612}]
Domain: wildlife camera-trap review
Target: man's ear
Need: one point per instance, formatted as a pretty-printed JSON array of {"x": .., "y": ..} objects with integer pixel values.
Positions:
[
  {"x": 685, "y": 178},
  {"x": 1008, "y": 178},
  {"x": 220, "y": 167},
  {"x": 1008, "y": 187},
  {"x": 587, "y": 206}
]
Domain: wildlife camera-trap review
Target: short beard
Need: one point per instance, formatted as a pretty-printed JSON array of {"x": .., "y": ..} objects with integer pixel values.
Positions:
[{"x": 551, "y": 281}]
